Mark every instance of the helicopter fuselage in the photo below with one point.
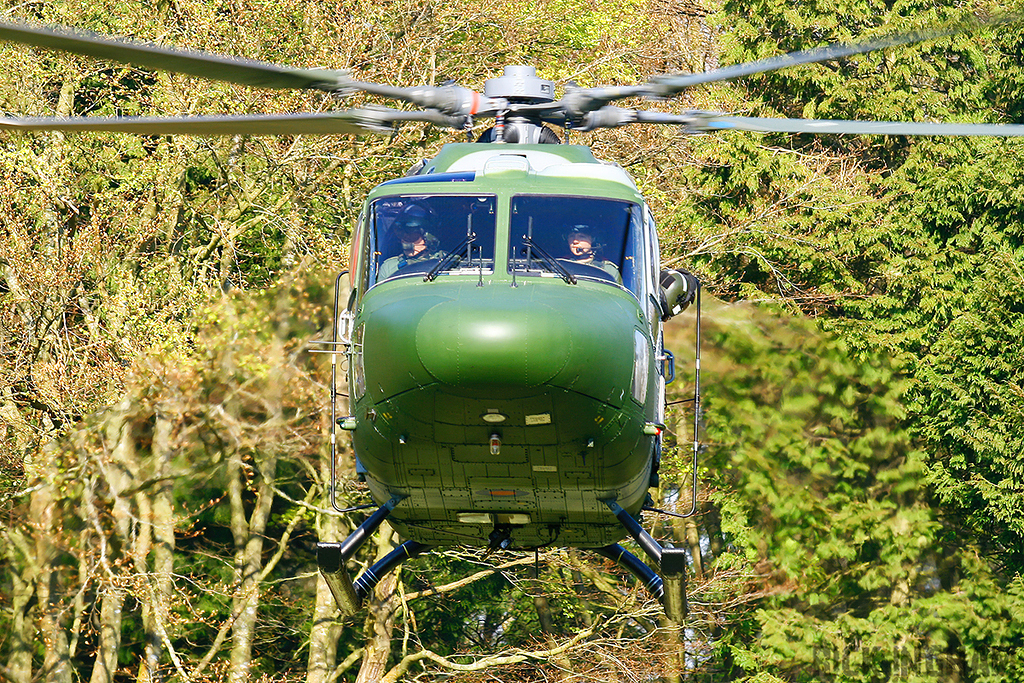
(500, 385)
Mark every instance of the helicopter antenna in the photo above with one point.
(696, 411)
(529, 242)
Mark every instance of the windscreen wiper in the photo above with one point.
(558, 268)
(452, 257)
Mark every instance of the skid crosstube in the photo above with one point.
(332, 557)
(348, 594)
(670, 587)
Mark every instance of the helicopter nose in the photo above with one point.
(487, 342)
(500, 341)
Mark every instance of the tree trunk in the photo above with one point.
(685, 531)
(56, 660)
(673, 645)
(19, 658)
(713, 526)
(248, 560)
(579, 587)
(249, 533)
(157, 512)
(382, 607)
(323, 638)
(119, 477)
(547, 623)
(111, 606)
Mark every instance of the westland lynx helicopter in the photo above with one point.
(503, 336)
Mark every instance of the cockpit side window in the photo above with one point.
(589, 237)
(414, 234)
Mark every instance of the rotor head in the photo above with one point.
(520, 84)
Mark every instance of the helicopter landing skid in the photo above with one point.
(332, 557)
(348, 594)
(670, 587)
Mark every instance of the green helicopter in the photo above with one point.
(506, 361)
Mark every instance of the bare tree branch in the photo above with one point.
(472, 578)
(516, 656)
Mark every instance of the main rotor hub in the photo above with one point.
(520, 84)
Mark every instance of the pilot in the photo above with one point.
(418, 244)
(583, 250)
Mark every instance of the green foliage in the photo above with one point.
(824, 496)
(911, 247)
(829, 558)
(973, 405)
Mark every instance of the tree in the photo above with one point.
(162, 465)
(823, 503)
(891, 242)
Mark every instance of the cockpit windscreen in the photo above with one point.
(431, 235)
(585, 237)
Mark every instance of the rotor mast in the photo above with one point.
(519, 123)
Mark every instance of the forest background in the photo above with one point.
(163, 457)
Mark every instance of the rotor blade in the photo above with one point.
(452, 100)
(668, 85)
(696, 121)
(713, 122)
(578, 104)
(353, 121)
(203, 65)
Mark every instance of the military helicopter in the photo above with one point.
(503, 335)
